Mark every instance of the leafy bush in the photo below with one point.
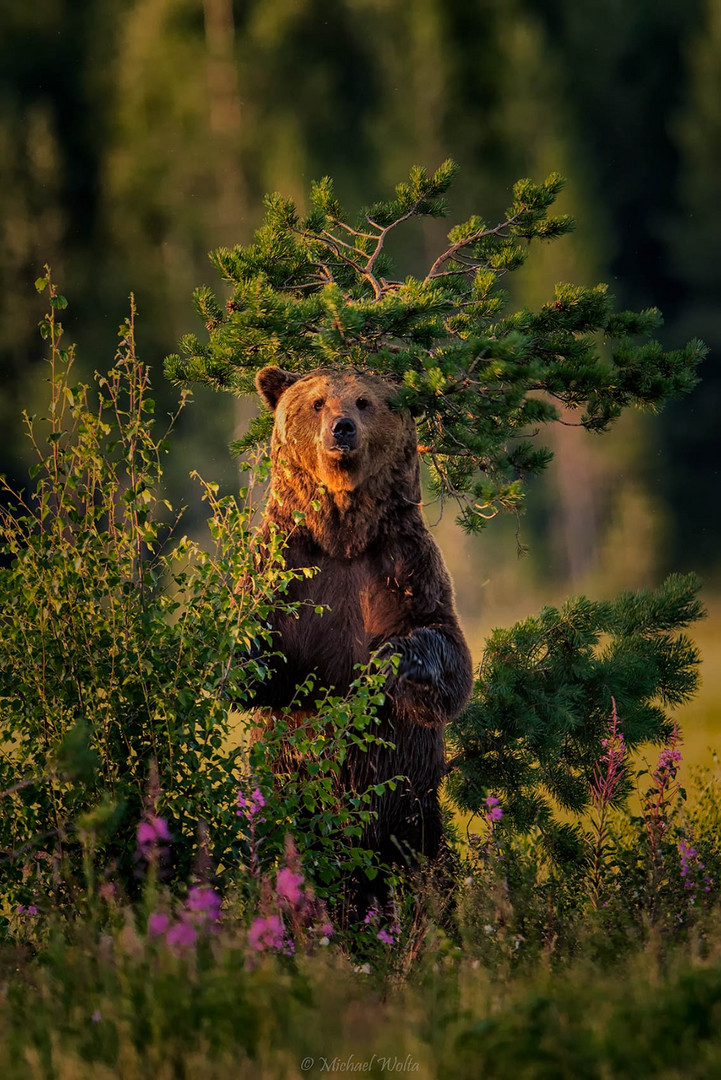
(123, 647)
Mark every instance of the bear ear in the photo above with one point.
(271, 382)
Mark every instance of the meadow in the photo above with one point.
(169, 910)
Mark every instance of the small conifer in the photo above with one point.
(320, 290)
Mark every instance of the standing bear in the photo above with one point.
(348, 460)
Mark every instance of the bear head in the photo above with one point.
(338, 427)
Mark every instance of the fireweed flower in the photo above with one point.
(249, 806)
(158, 923)
(288, 886)
(200, 914)
(181, 935)
(267, 933)
(371, 915)
(659, 797)
(152, 831)
(609, 771)
(494, 811)
(388, 934)
(607, 776)
(692, 869)
(203, 905)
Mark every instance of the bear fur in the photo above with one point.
(381, 578)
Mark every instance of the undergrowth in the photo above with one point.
(173, 906)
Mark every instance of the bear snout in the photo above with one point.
(344, 432)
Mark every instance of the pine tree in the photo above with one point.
(533, 731)
(320, 290)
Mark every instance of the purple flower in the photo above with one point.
(494, 811)
(249, 807)
(96, 1017)
(158, 923)
(667, 766)
(29, 910)
(386, 937)
(692, 868)
(608, 773)
(266, 933)
(288, 886)
(181, 935)
(150, 831)
(371, 915)
(204, 902)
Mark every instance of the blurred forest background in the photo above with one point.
(135, 136)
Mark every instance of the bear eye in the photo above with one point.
(318, 404)
(362, 403)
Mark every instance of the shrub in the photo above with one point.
(123, 646)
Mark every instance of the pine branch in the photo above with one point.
(481, 234)
(470, 369)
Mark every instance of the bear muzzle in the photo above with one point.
(343, 436)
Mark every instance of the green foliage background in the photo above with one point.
(136, 137)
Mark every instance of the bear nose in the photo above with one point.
(343, 428)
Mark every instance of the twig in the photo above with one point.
(480, 234)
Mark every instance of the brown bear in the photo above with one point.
(381, 579)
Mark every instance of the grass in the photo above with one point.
(116, 1005)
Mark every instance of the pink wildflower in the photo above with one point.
(494, 811)
(371, 914)
(608, 772)
(607, 775)
(150, 831)
(660, 797)
(288, 887)
(181, 935)
(158, 923)
(387, 934)
(691, 869)
(249, 807)
(266, 933)
(204, 902)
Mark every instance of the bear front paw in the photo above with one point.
(416, 660)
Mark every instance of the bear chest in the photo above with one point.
(363, 604)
